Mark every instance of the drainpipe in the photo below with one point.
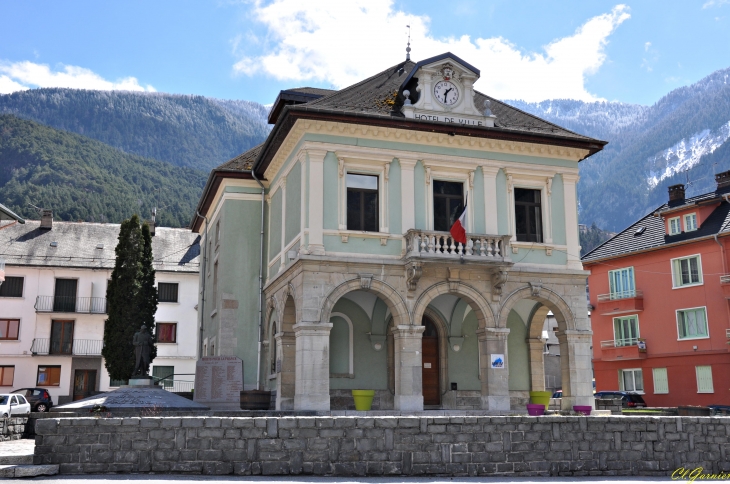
(261, 281)
(202, 300)
(724, 260)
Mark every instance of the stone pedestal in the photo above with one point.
(407, 342)
(537, 364)
(312, 387)
(495, 381)
(577, 375)
(285, 370)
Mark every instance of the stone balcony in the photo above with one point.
(440, 246)
(620, 303)
(627, 349)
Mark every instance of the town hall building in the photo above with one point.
(327, 262)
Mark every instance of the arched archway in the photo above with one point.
(573, 336)
(384, 291)
(285, 351)
(473, 297)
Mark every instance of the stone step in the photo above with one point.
(28, 470)
(16, 459)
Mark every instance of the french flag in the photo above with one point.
(458, 230)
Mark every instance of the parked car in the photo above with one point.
(628, 399)
(39, 398)
(557, 394)
(12, 405)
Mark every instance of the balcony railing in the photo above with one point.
(725, 279)
(63, 304)
(620, 295)
(618, 343)
(426, 243)
(77, 347)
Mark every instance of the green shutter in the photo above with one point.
(704, 379)
(661, 383)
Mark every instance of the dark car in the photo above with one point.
(39, 398)
(628, 399)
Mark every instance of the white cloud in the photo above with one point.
(715, 3)
(344, 42)
(647, 45)
(17, 76)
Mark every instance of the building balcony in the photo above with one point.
(620, 303)
(62, 304)
(428, 244)
(77, 347)
(725, 285)
(625, 349)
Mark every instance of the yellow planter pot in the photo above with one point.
(363, 399)
(542, 398)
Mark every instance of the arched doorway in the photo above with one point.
(430, 364)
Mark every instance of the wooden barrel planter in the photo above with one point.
(255, 400)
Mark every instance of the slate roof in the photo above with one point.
(244, 161)
(174, 250)
(654, 235)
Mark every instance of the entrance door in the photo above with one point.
(62, 337)
(64, 298)
(84, 383)
(430, 361)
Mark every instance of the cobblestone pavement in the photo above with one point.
(166, 479)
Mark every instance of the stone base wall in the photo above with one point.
(376, 446)
(12, 428)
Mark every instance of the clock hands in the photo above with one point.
(447, 92)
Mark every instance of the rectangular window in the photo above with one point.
(448, 199)
(166, 332)
(49, 376)
(626, 330)
(9, 329)
(167, 292)
(704, 379)
(12, 287)
(661, 384)
(62, 334)
(164, 374)
(631, 380)
(692, 323)
(215, 284)
(64, 297)
(690, 222)
(362, 203)
(6, 375)
(621, 283)
(687, 271)
(217, 233)
(528, 215)
(674, 226)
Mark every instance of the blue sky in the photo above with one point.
(592, 49)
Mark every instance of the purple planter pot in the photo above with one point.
(535, 409)
(584, 409)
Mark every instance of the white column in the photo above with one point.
(407, 342)
(316, 201)
(282, 262)
(490, 200)
(570, 181)
(547, 212)
(495, 381)
(407, 190)
(312, 375)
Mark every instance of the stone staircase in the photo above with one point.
(16, 460)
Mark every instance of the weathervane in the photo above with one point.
(408, 47)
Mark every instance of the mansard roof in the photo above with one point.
(91, 246)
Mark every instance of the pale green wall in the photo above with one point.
(419, 178)
(479, 202)
(502, 214)
(339, 346)
(361, 245)
(464, 364)
(293, 211)
(370, 366)
(394, 198)
(558, 210)
(518, 363)
(275, 225)
(331, 167)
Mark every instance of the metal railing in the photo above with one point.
(551, 382)
(64, 304)
(440, 244)
(618, 343)
(620, 295)
(77, 347)
(170, 384)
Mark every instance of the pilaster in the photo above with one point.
(312, 375)
(570, 181)
(316, 201)
(407, 342)
(577, 374)
(495, 381)
(285, 365)
(490, 199)
(407, 183)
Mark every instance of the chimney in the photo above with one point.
(723, 180)
(46, 219)
(676, 195)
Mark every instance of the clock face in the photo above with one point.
(446, 92)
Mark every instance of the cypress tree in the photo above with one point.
(122, 298)
(147, 296)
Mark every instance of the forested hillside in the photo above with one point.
(192, 131)
(684, 137)
(84, 179)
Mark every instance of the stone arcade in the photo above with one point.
(363, 286)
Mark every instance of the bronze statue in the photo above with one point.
(142, 345)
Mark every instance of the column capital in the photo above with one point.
(492, 333)
(491, 171)
(311, 327)
(408, 331)
(407, 163)
(316, 154)
(575, 334)
(569, 177)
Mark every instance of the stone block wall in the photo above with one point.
(376, 446)
(12, 428)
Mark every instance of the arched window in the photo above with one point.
(341, 343)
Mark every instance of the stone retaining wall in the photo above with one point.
(375, 446)
(12, 428)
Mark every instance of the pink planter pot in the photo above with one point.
(535, 409)
(584, 409)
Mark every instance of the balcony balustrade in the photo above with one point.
(623, 349)
(440, 245)
(620, 302)
(725, 285)
(77, 347)
(63, 304)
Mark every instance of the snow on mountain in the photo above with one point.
(685, 154)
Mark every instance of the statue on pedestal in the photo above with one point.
(142, 345)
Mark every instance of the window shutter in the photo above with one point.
(704, 379)
(661, 383)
